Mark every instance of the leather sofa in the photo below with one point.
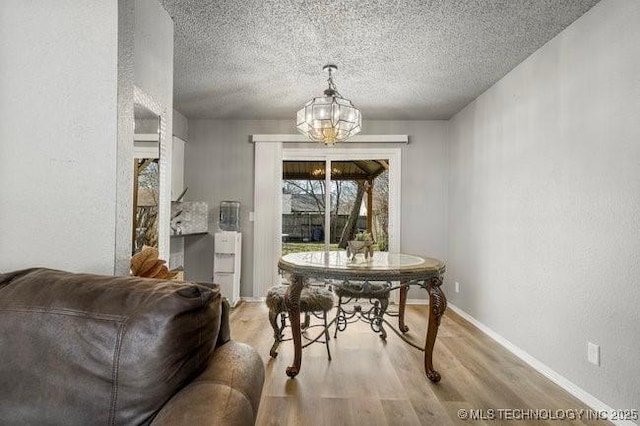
(81, 349)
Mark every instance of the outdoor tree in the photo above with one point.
(350, 227)
(147, 179)
(312, 193)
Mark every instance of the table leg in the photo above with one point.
(437, 306)
(404, 289)
(292, 301)
(277, 333)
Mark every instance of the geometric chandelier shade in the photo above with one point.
(330, 118)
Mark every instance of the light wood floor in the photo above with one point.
(369, 382)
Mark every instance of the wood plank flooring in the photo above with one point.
(370, 382)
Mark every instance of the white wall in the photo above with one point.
(65, 190)
(180, 126)
(220, 162)
(153, 73)
(424, 186)
(219, 166)
(180, 130)
(153, 47)
(58, 103)
(544, 203)
(124, 147)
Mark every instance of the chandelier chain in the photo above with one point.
(332, 86)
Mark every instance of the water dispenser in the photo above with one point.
(230, 216)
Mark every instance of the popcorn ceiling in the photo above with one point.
(401, 60)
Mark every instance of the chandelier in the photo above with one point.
(330, 118)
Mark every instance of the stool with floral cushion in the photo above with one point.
(316, 301)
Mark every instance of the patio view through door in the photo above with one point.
(315, 227)
(327, 202)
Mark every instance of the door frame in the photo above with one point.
(269, 154)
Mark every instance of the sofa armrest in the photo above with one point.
(226, 393)
(224, 335)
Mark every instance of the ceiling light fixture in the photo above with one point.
(330, 118)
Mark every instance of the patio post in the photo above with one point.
(370, 206)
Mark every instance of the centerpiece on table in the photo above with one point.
(362, 243)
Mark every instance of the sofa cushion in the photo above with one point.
(88, 349)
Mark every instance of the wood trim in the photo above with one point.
(164, 202)
(267, 216)
(403, 139)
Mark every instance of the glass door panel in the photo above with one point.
(346, 212)
(380, 209)
(357, 202)
(303, 206)
(361, 192)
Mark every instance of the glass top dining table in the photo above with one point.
(406, 269)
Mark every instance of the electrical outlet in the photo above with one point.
(593, 353)
(457, 287)
(250, 216)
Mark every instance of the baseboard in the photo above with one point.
(252, 299)
(549, 373)
(409, 301)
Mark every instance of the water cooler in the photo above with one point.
(227, 252)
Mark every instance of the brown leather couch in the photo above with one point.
(80, 349)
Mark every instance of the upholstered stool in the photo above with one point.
(378, 295)
(314, 300)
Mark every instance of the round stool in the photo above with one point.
(312, 300)
(363, 290)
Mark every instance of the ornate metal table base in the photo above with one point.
(377, 295)
(426, 273)
(374, 316)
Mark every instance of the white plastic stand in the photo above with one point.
(227, 264)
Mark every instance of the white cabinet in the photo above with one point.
(226, 264)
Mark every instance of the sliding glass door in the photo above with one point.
(304, 205)
(269, 201)
(331, 198)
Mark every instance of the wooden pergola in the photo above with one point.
(365, 171)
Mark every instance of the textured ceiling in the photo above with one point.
(400, 59)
